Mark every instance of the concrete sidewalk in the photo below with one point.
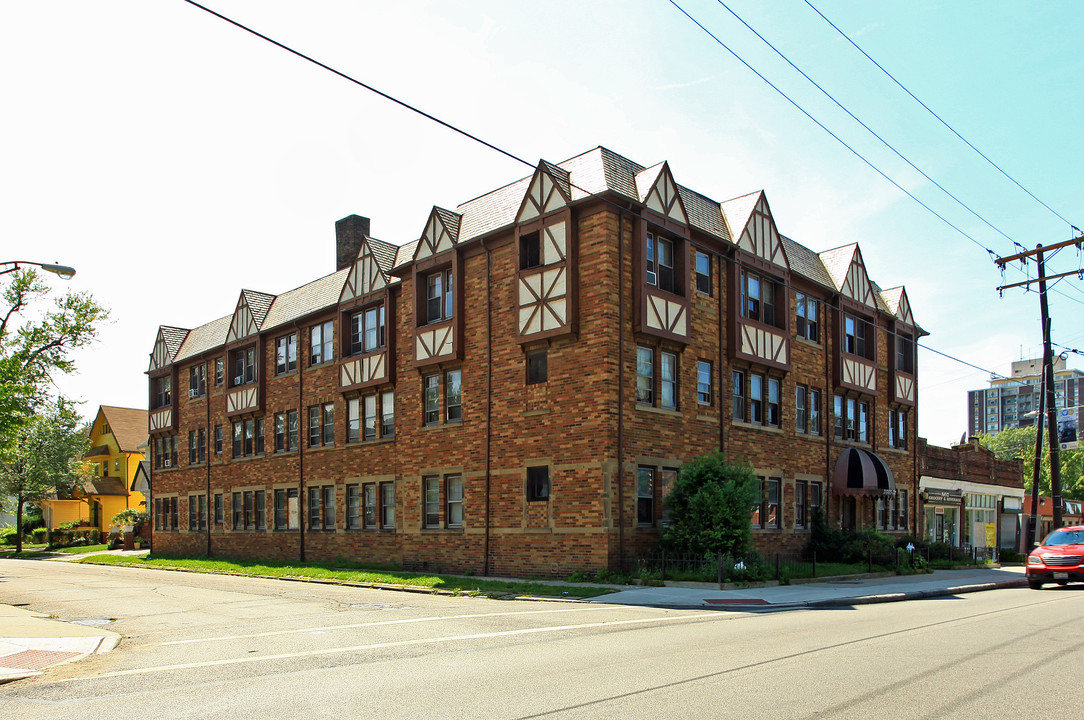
(31, 641)
(830, 593)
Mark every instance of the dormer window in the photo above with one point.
(659, 262)
(439, 297)
(367, 330)
(243, 363)
(530, 250)
(163, 391)
(905, 353)
(758, 298)
(857, 337)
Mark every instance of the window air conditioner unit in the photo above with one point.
(239, 380)
(193, 393)
(165, 462)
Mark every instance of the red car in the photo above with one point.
(1060, 558)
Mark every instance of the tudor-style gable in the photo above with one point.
(545, 269)
(751, 224)
(365, 276)
(548, 191)
(441, 233)
(249, 315)
(856, 321)
(367, 319)
(902, 361)
(848, 272)
(166, 345)
(659, 192)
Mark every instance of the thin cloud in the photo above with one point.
(679, 86)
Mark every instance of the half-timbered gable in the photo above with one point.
(662, 256)
(903, 336)
(855, 321)
(437, 283)
(759, 319)
(243, 365)
(367, 318)
(546, 274)
(163, 378)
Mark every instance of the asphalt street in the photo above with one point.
(226, 647)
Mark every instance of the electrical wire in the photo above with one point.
(942, 121)
(889, 332)
(871, 131)
(819, 124)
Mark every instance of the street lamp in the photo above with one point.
(65, 272)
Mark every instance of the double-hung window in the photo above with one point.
(321, 425)
(387, 413)
(439, 296)
(897, 428)
(243, 362)
(431, 399)
(537, 366)
(857, 336)
(387, 506)
(757, 399)
(368, 417)
(322, 343)
(851, 419)
(453, 396)
(668, 396)
(807, 317)
(807, 502)
(197, 446)
(659, 261)
(163, 391)
(286, 354)
(703, 382)
(703, 272)
(287, 510)
(453, 492)
(353, 507)
(757, 297)
(645, 496)
(738, 394)
(432, 501)
(197, 381)
(645, 375)
(368, 330)
(219, 371)
(905, 353)
(766, 513)
(286, 431)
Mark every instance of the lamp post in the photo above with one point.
(63, 271)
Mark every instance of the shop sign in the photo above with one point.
(942, 497)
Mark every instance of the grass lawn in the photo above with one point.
(345, 572)
(76, 549)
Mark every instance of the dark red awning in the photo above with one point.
(861, 472)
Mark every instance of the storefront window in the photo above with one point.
(980, 529)
(940, 524)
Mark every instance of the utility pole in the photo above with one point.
(1048, 366)
(1033, 520)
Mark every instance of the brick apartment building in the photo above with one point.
(513, 392)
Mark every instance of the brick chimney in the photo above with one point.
(349, 233)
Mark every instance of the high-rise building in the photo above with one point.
(1012, 402)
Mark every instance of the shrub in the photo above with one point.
(38, 535)
(8, 536)
(128, 516)
(95, 536)
(709, 506)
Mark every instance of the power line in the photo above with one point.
(939, 119)
(819, 124)
(530, 165)
(963, 362)
(884, 142)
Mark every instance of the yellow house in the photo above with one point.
(114, 456)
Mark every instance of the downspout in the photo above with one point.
(489, 400)
(300, 449)
(722, 354)
(620, 387)
(830, 425)
(207, 453)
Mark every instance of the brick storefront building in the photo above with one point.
(513, 392)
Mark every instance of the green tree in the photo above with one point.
(1012, 443)
(31, 353)
(45, 457)
(710, 504)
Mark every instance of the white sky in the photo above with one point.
(174, 159)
